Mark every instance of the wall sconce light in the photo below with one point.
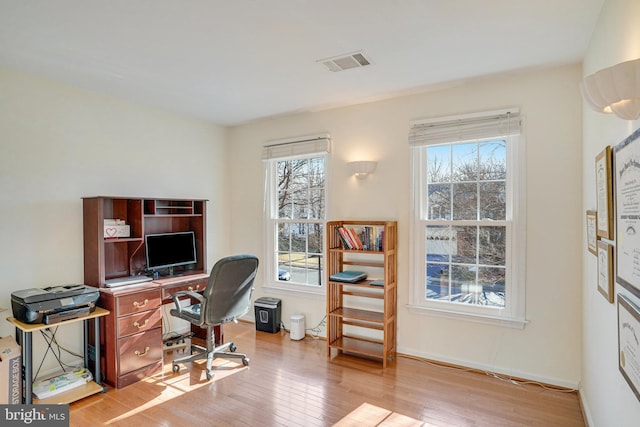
(614, 90)
(362, 169)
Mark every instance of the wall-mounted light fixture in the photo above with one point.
(362, 169)
(615, 90)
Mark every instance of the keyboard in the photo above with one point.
(122, 281)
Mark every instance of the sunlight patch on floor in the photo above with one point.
(190, 377)
(367, 415)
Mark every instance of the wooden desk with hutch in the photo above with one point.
(132, 346)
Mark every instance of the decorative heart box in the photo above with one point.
(114, 228)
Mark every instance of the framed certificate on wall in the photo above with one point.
(604, 219)
(592, 237)
(627, 184)
(605, 270)
(628, 345)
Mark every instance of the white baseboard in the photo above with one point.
(557, 382)
(586, 412)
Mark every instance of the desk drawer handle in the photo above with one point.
(137, 353)
(197, 288)
(139, 326)
(136, 304)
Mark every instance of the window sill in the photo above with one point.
(299, 291)
(470, 317)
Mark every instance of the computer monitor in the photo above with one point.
(168, 250)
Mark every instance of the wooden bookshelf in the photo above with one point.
(353, 326)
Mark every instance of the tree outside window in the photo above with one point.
(468, 222)
(300, 199)
(465, 232)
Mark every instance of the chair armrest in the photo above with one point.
(176, 298)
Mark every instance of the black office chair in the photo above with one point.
(226, 297)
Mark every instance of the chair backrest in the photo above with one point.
(228, 292)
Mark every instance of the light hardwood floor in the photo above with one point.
(291, 383)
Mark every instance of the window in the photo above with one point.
(468, 217)
(295, 211)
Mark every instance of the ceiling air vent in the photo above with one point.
(345, 62)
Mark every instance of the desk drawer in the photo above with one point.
(139, 322)
(196, 285)
(139, 374)
(135, 303)
(140, 350)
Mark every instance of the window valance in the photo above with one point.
(470, 127)
(297, 147)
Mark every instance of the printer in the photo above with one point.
(53, 304)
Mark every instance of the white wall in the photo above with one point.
(548, 348)
(58, 144)
(606, 397)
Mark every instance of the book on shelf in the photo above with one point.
(348, 276)
(372, 237)
(377, 283)
(63, 382)
(356, 239)
(344, 238)
(367, 238)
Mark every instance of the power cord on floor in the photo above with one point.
(283, 329)
(50, 338)
(506, 378)
(171, 336)
(524, 382)
(315, 330)
(318, 328)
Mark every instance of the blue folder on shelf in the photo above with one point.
(348, 276)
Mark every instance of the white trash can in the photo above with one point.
(297, 327)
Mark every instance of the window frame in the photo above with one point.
(271, 221)
(513, 314)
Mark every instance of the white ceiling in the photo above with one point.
(232, 61)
